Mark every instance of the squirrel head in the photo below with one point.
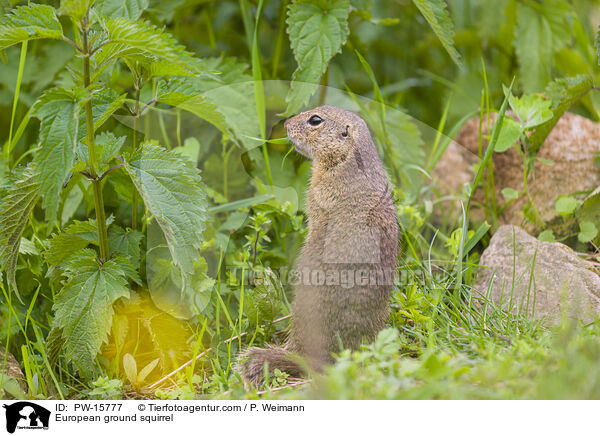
(326, 134)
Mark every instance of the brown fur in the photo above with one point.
(352, 226)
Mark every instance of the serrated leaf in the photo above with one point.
(28, 247)
(131, 9)
(62, 127)
(58, 111)
(15, 209)
(83, 308)
(317, 29)
(436, 14)
(141, 41)
(75, 237)
(162, 68)
(510, 133)
(29, 22)
(126, 243)
(106, 103)
(587, 231)
(172, 191)
(128, 268)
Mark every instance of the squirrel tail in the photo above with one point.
(252, 363)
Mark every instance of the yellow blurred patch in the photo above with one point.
(145, 343)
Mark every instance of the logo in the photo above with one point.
(26, 415)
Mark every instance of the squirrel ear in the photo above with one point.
(345, 132)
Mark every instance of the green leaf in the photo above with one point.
(58, 111)
(29, 22)
(75, 237)
(590, 209)
(107, 146)
(126, 243)
(510, 133)
(131, 9)
(28, 247)
(545, 161)
(178, 295)
(563, 93)
(587, 231)
(145, 372)
(532, 110)
(15, 209)
(436, 14)
(185, 94)
(130, 368)
(541, 29)
(172, 191)
(71, 204)
(406, 143)
(533, 46)
(566, 205)
(76, 9)
(317, 29)
(83, 308)
(547, 236)
(106, 103)
(11, 386)
(363, 5)
(226, 100)
(510, 193)
(62, 127)
(138, 40)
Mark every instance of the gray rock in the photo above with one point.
(561, 281)
(571, 148)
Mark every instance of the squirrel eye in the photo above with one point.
(315, 120)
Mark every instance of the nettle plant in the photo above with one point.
(91, 264)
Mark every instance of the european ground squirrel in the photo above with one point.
(345, 272)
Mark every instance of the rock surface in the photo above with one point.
(12, 369)
(571, 146)
(561, 281)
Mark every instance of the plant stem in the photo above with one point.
(277, 50)
(96, 182)
(134, 199)
(9, 145)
